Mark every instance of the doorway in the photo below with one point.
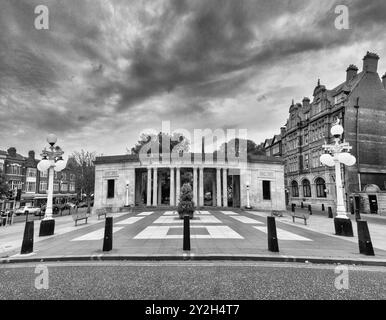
(233, 191)
(373, 204)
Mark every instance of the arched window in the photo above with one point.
(306, 188)
(320, 188)
(295, 189)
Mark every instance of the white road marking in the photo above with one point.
(246, 220)
(145, 213)
(202, 212)
(229, 213)
(285, 235)
(130, 220)
(95, 235)
(215, 232)
(197, 219)
(170, 213)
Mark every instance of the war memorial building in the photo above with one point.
(128, 180)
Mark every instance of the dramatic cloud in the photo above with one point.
(105, 70)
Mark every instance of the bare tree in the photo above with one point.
(82, 162)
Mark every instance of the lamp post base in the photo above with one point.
(47, 228)
(248, 207)
(343, 227)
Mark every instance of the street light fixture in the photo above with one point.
(52, 161)
(336, 154)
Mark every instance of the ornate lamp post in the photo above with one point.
(52, 161)
(336, 154)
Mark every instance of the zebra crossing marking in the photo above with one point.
(229, 213)
(214, 232)
(95, 235)
(130, 220)
(145, 213)
(246, 220)
(284, 235)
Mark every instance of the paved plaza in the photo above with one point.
(225, 233)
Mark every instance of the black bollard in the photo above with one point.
(293, 207)
(28, 238)
(301, 205)
(343, 227)
(186, 245)
(310, 209)
(330, 215)
(364, 239)
(322, 207)
(273, 244)
(108, 239)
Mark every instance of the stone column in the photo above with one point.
(178, 185)
(195, 180)
(172, 195)
(155, 187)
(148, 193)
(201, 188)
(225, 187)
(218, 187)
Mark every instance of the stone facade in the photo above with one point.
(162, 181)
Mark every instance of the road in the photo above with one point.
(190, 280)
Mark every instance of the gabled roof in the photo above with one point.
(348, 86)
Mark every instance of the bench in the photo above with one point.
(300, 215)
(80, 216)
(275, 213)
(103, 212)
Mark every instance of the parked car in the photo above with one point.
(28, 209)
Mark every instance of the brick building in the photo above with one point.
(360, 104)
(22, 173)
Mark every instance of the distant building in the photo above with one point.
(125, 179)
(360, 104)
(22, 173)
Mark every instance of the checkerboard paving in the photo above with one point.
(204, 226)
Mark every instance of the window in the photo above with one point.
(43, 186)
(320, 188)
(44, 174)
(72, 187)
(56, 187)
(306, 161)
(64, 176)
(14, 169)
(31, 172)
(110, 188)
(306, 188)
(295, 189)
(31, 187)
(72, 177)
(267, 190)
(64, 187)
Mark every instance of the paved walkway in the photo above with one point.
(225, 233)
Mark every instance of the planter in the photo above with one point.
(188, 213)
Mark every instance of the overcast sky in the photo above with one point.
(107, 69)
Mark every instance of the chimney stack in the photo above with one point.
(384, 80)
(282, 131)
(31, 154)
(351, 72)
(12, 152)
(370, 62)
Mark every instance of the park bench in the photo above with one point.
(80, 216)
(300, 215)
(103, 212)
